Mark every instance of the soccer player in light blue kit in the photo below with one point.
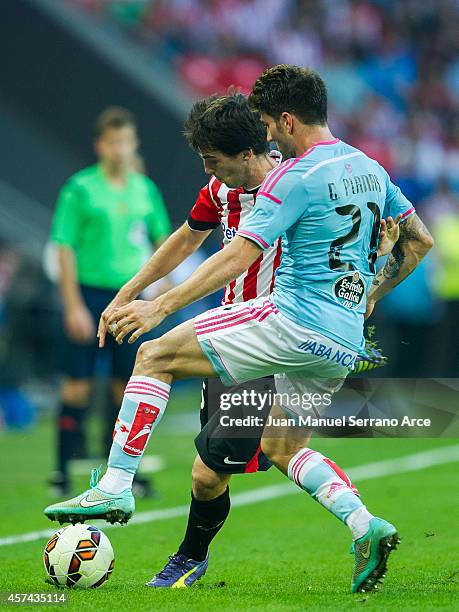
(326, 201)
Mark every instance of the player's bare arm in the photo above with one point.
(220, 269)
(414, 243)
(180, 245)
(142, 316)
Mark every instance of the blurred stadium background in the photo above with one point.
(392, 67)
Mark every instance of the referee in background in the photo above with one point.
(107, 218)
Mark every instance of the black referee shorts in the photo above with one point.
(81, 360)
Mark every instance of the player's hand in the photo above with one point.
(370, 308)
(79, 324)
(118, 301)
(137, 318)
(388, 235)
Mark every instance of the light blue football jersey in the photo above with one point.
(327, 205)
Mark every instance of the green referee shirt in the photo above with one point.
(109, 229)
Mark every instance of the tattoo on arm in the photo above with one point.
(394, 261)
(413, 229)
(413, 243)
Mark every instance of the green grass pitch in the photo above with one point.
(281, 554)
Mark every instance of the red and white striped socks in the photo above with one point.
(144, 403)
(326, 482)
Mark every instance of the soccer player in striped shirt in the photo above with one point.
(179, 354)
(241, 162)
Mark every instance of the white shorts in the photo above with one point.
(253, 339)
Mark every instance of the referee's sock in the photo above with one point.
(70, 429)
(205, 520)
(144, 403)
(112, 409)
(326, 482)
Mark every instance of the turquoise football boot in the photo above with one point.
(371, 553)
(94, 504)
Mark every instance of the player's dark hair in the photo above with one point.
(195, 114)
(225, 124)
(113, 117)
(291, 89)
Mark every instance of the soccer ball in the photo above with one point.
(79, 556)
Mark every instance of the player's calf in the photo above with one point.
(209, 509)
(144, 403)
(206, 483)
(373, 537)
(331, 487)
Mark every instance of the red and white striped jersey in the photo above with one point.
(217, 205)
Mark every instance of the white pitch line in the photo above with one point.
(378, 469)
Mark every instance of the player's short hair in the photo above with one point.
(291, 89)
(113, 117)
(226, 124)
(196, 112)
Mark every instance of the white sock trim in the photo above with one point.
(150, 380)
(144, 385)
(301, 463)
(115, 480)
(359, 522)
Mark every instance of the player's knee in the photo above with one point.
(270, 448)
(76, 392)
(148, 357)
(151, 355)
(277, 451)
(144, 353)
(206, 483)
(203, 480)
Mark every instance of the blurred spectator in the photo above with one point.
(392, 68)
(393, 61)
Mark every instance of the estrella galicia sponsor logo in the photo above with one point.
(349, 290)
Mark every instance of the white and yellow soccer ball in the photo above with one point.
(79, 556)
